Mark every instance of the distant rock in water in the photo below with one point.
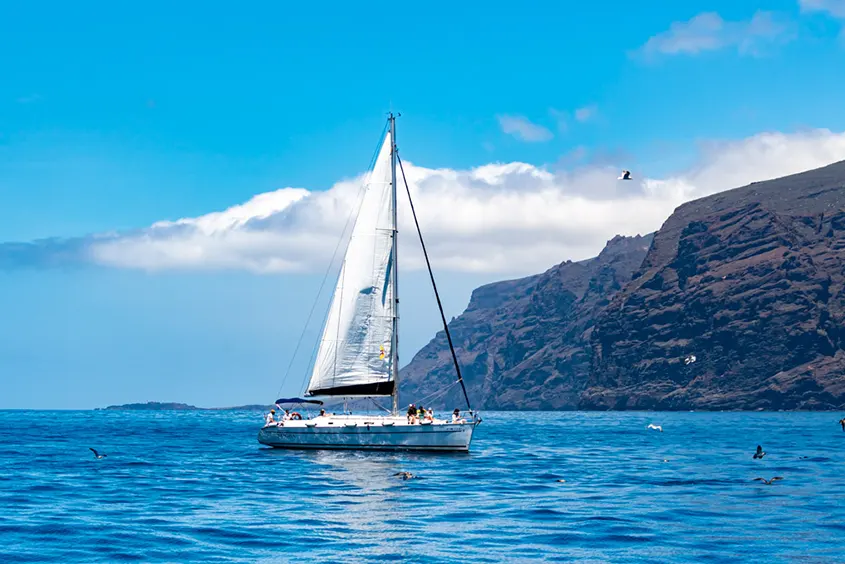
(751, 282)
(171, 406)
(154, 406)
(525, 344)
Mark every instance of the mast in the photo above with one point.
(394, 348)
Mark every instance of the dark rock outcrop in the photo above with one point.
(750, 282)
(525, 344)
(173, 406)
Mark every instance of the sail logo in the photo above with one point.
(381, 354)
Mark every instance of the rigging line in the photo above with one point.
(437, 394)
(311, 361)
(378, 405)
(329, 268)
(434, 285)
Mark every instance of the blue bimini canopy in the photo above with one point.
(298, 400)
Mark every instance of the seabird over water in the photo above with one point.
(97, 455)
(655, 427)
(768, 482)
(759, 453)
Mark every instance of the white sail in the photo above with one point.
(354, 357)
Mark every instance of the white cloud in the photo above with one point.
(586, 113)
(709, 32)
(523, 129)
(512, 218)
(835, 8)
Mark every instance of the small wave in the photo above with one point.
(694, 482)
(608, 518)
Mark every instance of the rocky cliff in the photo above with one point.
(525, 344)
(738, 304)
(750, 283)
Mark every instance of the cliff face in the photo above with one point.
(525, 344)
(739, 303)
(748, 281)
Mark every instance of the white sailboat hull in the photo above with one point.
(368, 433)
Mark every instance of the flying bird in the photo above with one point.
(759, 453)
(690, 359)
(655, 427)
(97, 455)
(768, 482)
(626, 175)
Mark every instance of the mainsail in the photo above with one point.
(355, 354)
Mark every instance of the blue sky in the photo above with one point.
(115, 117)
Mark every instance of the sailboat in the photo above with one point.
(358, 354)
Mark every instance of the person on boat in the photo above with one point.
(456, 416)
(412, 414)
(269, 419)
(286, 416)
(322, 413)
(429, 415)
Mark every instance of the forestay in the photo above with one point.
(354, 357)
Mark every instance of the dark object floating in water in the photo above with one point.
(759, 453)
(405, 475)
(562, 481)
(768, 482)
(842, 422)
(97, 455)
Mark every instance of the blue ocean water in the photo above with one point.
(197, 487)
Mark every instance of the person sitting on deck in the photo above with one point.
(429, 415)
(456, 416)
(322, 413)
(412, 414)
(286, 416)
(420, 414)
(269, 419)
